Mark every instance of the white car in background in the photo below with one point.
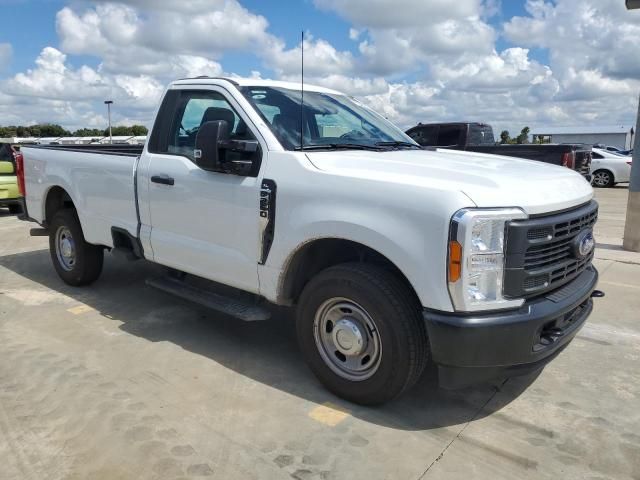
(608, 168)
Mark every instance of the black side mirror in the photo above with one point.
(214, 151)
(208, 144)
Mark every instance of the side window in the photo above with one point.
(449, 135)
(269, 112)
(596, 155)
(194, 108)
(425, 136)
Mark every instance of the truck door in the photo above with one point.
(204, 223)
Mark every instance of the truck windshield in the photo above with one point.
(329, 120)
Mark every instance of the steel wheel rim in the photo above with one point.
(347, 339)
(601, 179)
(65, 248)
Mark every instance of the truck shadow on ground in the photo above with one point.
(265, 351)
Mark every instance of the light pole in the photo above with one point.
(108, 103)
(631, 239)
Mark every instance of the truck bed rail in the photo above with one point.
(113, 149)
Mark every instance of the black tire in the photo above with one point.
(15, 209)
(398, 320)
(603, 179)
(88, 258)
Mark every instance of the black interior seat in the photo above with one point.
(213, 114)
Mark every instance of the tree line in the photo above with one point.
(523, 137)
(53, 130)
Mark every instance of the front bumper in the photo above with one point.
(474, 348)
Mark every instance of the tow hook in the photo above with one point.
(597, 294)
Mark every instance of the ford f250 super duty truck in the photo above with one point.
(393, 256)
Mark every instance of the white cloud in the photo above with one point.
(400, 13)
(401, 35)
(413, 61)
(54, 80)
(582, 35)
(74, 95)
(320, 58)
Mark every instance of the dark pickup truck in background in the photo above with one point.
(478, 137)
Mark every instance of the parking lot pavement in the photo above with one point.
(119, 381)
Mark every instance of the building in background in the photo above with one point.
(616, 136)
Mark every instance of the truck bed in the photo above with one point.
(547, 153)
(99, 178)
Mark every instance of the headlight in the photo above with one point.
(476, 258)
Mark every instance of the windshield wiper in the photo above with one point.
(340, 146)
(398, 144)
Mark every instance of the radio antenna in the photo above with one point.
(302, 91)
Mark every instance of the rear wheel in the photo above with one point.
(361, 331)
(76, 261)
(603, 179)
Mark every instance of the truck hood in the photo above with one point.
(488, 180)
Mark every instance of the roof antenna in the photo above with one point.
(302, 91)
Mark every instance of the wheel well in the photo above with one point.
(324, 253)
(57, 198)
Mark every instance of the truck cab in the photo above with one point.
(392, 256)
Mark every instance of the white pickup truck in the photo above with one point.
(393, 255)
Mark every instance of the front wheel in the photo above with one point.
(361, 331)
(76, 261)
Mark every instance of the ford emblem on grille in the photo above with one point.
(583, 244)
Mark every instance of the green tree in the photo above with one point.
(504, 137)
(53, 130)
(139, 130)
(9, 131)
(524, 135)
(88, 132)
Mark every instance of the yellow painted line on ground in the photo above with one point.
(80, 309)
(329, 414)
(616, 284)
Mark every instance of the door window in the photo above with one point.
(449, 135)
(192, 110)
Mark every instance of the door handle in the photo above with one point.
(163, 179)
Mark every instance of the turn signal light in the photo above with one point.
(455, 261)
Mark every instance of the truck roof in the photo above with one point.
(253, 82)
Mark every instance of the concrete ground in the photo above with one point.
(119, 381)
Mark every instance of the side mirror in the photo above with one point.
(215, 152)
(209, 139)
(6, 168)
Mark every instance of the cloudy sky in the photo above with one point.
(509, 62)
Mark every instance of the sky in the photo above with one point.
(510, 63)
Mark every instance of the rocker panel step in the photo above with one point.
(235, 307)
